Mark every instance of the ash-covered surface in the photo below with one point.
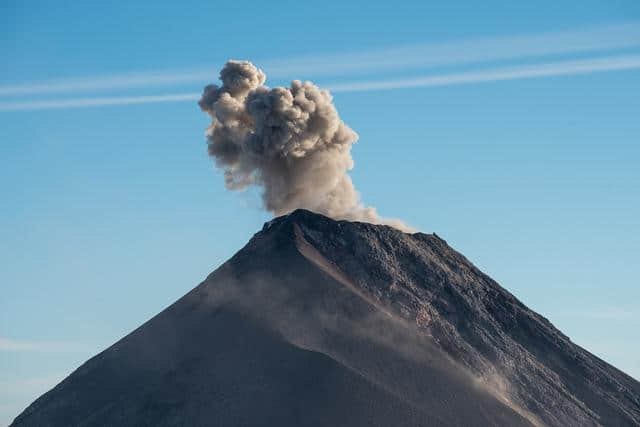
(317, 322)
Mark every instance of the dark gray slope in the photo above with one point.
(318, 322)
(477, 322)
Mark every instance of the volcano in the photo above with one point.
(317, 322)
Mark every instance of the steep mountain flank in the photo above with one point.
(317, 322)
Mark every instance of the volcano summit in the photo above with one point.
(317, 322)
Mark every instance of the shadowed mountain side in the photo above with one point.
(217, 369)
(319, 322)
(270, 339)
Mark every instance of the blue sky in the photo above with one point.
(111, 212)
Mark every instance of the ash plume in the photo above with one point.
(289, 141)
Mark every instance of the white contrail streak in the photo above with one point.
(616, 63)
(96, 102)
(461, 52)
(511, 73)
(98, 83)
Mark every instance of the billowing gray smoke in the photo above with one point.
(290, 141)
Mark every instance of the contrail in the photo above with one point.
(96, 102)
(615, 63)
(618, 63)
(619, 36)
(463, 52)
(97, 83)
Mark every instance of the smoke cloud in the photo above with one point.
(289, 141)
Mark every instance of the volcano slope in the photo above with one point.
(317, 322)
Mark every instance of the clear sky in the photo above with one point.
(512, 129)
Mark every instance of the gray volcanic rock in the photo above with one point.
(317, 322)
